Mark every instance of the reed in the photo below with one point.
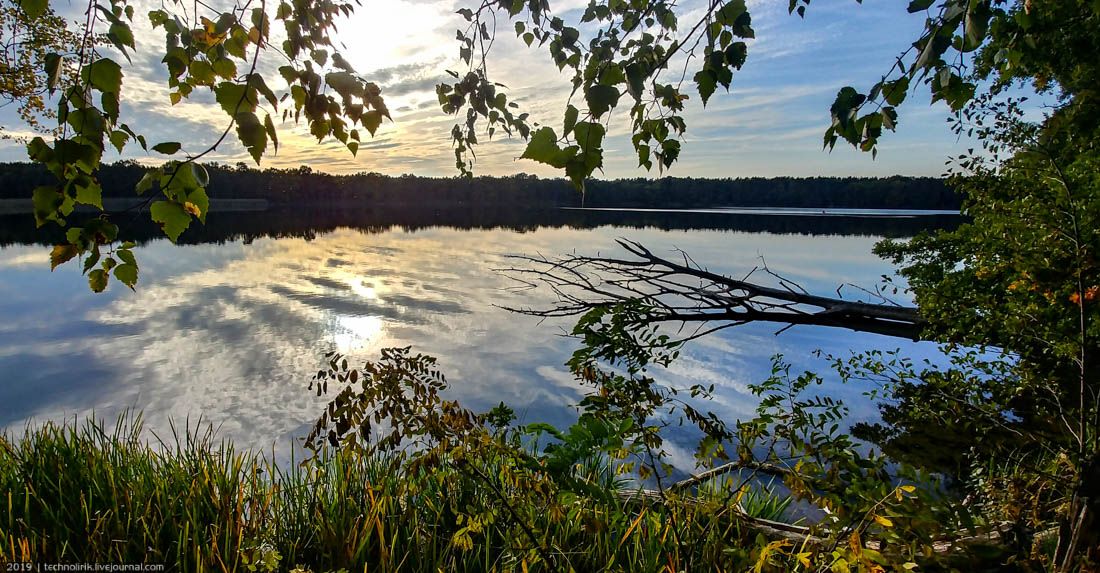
(88, 492)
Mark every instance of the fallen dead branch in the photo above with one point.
(687, 293)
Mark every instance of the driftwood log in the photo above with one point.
(687, 293)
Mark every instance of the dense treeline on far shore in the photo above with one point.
(303, 185)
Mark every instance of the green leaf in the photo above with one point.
(729, 13)
(571, 114)
(201, 72)
(121, 36)
(93, 258)
(635, 78)
(894, 92)
(119, 139)
(34, 8)
(126, 255)
(339, 61)
(543, 147)
(252, 134)
(90, 194)
(707, 81)
(269, 127)
(84, 156)
(977, 26)
(62, 254)
(146, 182)
(589, 137)
(847, 101)
(167, 148)
(53, 71)
(234, 98)
(46, 201)
(225, 68)
(127, 274)
(737, 53)
(257, 82)
(97, 279)
(601, 99)
(101, 230)
(172, 218)
(105, 75)
(201, 201)
(87, 122)
(643, 156)
(889, 117)
(371, 120)
(569, 36)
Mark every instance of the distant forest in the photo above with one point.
(288, 187)
(311, 222)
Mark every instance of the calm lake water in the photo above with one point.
(230, 326)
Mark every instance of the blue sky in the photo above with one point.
(769, 124)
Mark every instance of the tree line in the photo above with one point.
(308, 223)
(304, 185)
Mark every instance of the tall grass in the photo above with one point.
(87, 493)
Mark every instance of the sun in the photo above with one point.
(387, 33)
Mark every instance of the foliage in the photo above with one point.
(637, 54)
(206, 50)
(871, 513)
(1022, 278)
(30, 66)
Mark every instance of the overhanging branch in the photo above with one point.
(687, 293)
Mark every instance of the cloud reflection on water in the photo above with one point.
(232, 333)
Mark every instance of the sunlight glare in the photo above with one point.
(352, 333)
(387, 33)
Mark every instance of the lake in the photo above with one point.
(229, 325)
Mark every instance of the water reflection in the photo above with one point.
(232, 332)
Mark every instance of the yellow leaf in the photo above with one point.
(175, 97)
(192, 208)
(883, 521)
(855, 544)
(907, 488)
(62, 254)
(804, 559)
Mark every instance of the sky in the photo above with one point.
(769, 124)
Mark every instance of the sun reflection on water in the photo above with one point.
(355, 333)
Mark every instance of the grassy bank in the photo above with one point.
(89, 492)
